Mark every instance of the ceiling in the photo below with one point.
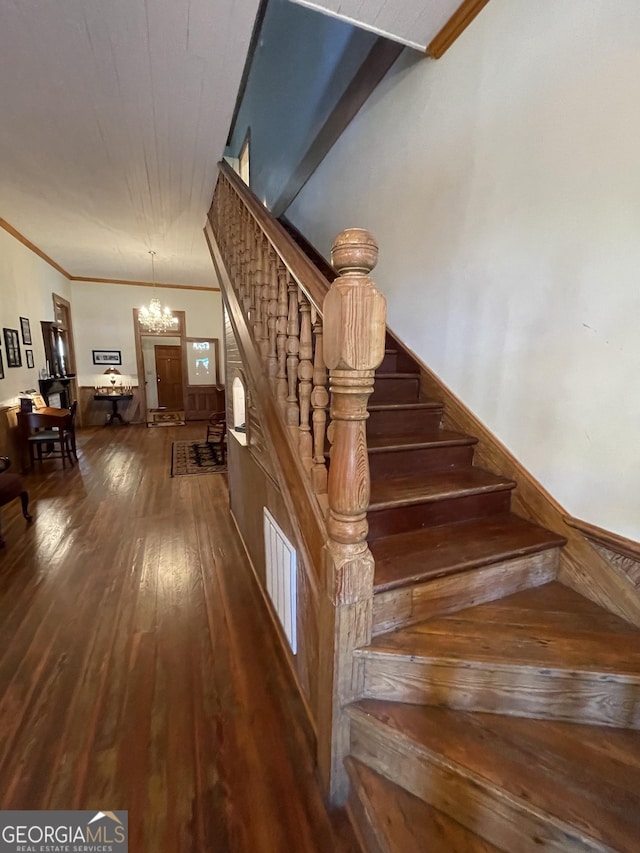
(411, 22)
(113, 115)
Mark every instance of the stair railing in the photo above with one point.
(293, 328)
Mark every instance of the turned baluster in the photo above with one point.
(240, 259)
(244, 255)
(267, 260)
(354, 337)
(233, 246)
(251, 265)
(305, 375)
(228, 222)
(272, 308)
(255, 315)
(319, 401)
(281, 337)
(293, 348)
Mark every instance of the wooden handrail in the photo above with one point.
(306, 275)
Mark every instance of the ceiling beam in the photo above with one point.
(454, 27)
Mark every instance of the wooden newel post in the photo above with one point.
(354, 339)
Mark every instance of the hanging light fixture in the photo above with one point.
(155, 318)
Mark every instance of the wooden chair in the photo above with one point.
(12, 487)
(47, 431)
(72, 429)
(216, 436)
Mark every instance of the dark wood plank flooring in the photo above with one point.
(138, 669)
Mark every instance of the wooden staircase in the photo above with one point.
(500, 708)
(479, 704)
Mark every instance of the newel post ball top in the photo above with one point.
(354, 309)
(354, 250)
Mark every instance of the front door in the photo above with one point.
(169, 377)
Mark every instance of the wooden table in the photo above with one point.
(114, 400)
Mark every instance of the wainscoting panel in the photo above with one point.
(202, 401)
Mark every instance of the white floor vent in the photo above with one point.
(280, 558)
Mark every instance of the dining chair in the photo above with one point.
(49, 433)
(12, 487)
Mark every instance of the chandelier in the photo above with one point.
(155, 318)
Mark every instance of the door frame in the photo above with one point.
(138, 334)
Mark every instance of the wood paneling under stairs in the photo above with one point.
(138, 669)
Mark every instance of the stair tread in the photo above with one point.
(404, 823)
(432, 552)
(397, 375)
(509, 633)
(586, 777)
(399, 407)
(433, 486)
(436, 438)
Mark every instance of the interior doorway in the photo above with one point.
(168, 361)
(172, 364)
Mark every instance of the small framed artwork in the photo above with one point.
(29, 355)
(25, 325)
(1, 367)
(107, 356)
(12, 343)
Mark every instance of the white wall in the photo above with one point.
(26, 287)
(503, 185)
(103, 319)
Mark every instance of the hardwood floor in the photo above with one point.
(138, 669)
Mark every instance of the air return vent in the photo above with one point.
(280, 558)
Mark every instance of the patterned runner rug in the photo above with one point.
(194, 457)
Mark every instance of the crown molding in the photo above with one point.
(25, 242)
(32, 246)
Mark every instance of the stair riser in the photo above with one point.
(389, 363)
(577, 697)
(404, 518)
(403, 422)
(502, 819)
(408, 605)
(394, 390)
(389, 463)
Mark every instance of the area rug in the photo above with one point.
(194, 457)
(160, 418)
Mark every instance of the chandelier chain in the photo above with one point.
(155, 318)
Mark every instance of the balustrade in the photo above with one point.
(305, 345)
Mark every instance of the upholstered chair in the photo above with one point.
(12, 487)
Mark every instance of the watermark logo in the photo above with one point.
(64, 832)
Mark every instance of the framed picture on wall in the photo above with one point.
(25, 325)
(12, 343)
(1, 367)
(107, 356)
(29, 355)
